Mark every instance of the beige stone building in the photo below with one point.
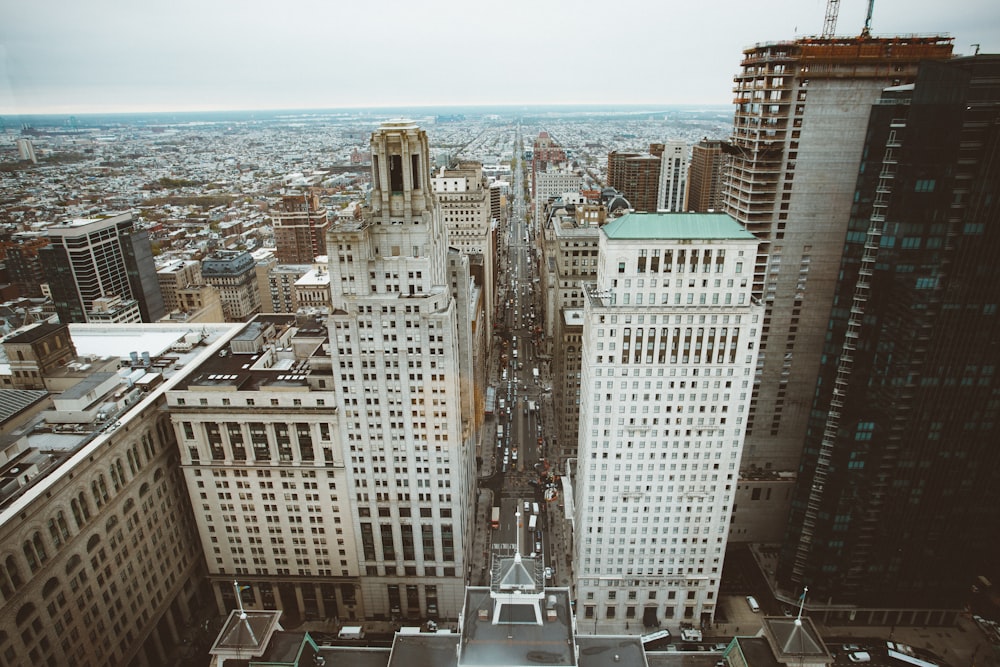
(100, 562)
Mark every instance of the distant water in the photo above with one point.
(441, 114)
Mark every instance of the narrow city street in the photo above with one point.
(520, 472)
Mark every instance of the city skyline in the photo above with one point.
(112, 57)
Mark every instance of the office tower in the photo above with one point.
(705, 177)
(233, 273)
(669, 347)
(404, 409)
(637, 177)
(801, 113)
(463, 197)
(616, 168)
(100, 257)
(899, 502)
(552, 184)
(300, 224)
(672, 190)
(100, 562)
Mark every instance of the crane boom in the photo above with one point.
(867, 30)
(830, 22)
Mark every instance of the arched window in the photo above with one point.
(117, 478)
(112, 522)
(50, 587)
(158, 475)
(24, 613)
(81, 513)
(73, 563)
(58, 528)
(166, 432)
(34, 552)
(93, 542)
(147, 445)
(133, 462)
(100, 490)
(129, 506)
(10, 578)
(144, 489)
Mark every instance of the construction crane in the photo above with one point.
(830, 21)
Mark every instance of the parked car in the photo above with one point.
(860, 656)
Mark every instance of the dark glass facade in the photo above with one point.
(898, 502)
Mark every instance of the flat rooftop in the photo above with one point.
(517, 639)
(682, 226)
(55, 439)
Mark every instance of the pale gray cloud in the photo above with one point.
(195, 54)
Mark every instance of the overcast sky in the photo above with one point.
(136, 55)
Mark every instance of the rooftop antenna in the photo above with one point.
(802, 602)
(517, 520)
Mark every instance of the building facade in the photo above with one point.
(233, 273)
(898, 503)
(100, 561)
(281, 286)
(705, 176)
(90, 258)
(637, 177)
(464, 199)
(259, 445)
(569, 264)
(300, 224)
(673, 187)
(176, 275)
(669, 346)
(405, 422)
(801, 114)
(551, 184)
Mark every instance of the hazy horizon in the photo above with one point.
(111, 56)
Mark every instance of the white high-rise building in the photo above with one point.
(669, 346)
(399, 347)
(672, 193)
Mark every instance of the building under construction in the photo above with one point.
(802, 110)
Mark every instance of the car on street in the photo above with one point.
(860, 656)
(548, 573)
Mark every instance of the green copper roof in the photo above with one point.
(676, 226)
